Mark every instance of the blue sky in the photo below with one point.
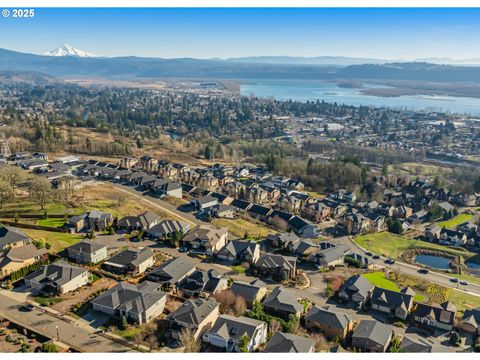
(207, 33)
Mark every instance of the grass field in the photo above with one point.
(239, 269)
(380, 280)
(391, 245)
(456, 220)
(59, 241)
(239, 227)
(51, 222)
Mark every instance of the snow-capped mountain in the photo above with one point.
(68, 50)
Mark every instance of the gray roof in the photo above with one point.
(166, 227)
(412, 345)
(131, 297)
(472, 317)
(333, 254)
(282, 299)
(274, 261)
(237, 247)
(193, 312)
(59, 273)
(444, 313)
(10, 235)
(283, 238)
(131, 256)
(357, 284)
(391, 299)
(232, 327)
(289, 343)
(329, 316)
(173, 270)
(246, 290)
(374, 331)
(87, 246)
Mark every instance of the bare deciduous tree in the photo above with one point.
(5, 193)
(40, 190)
(189, 342)
(152, 341)
(13, 176)
(230, 303)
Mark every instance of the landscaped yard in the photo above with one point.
(380, 280)
(51, 222)
(391, 245)
(58, 241)
(456, 220)
(47, 301)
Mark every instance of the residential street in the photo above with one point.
(77, 335)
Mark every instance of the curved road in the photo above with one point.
(409, 269)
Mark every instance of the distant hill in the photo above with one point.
(138, 67)
(299, 60)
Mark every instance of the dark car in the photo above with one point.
(368, 253)
(463, 282)
(423, 271)
(26, 308)
(375, 257)
(389, 261)
(454, 280)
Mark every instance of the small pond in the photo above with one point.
(433, 261)
(473, 267)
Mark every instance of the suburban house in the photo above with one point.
(206, 239)
(331, 256)
(240, 251)
(251, 292)
(227, 331)
(95, 220)
(303, 228)
(59, 277)
(470, 321)
(372, 336)
(170, 273)
(282, 303)
(198, 315)
(289, 343)
(332, 323)
(87, 252)
(11, 237)
(203, 203)
(356, 290)
(222, 211)
(398, 304)
(142, 222)
(276, 266)
(436, 316)
(130, 261)
(138, 303)
(281, 240)
(166, 228)
(209, 281)
(452, 237)
(168, 188)
(414, 345)
(19, 257)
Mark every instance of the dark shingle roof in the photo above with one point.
(193, 312)
(173, 270)
(374, 331)
(329, 317)
(10, 235)
(131, 256)
(282, 299)
(289, 343)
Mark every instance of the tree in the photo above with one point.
(455, 339)
(5, 193)
(321, 343)
(292, 325)
(208, 152)
(152, 341)
(48, 348)
(188, 341)
(40, 190)
(138, 339)
(123, 322)
(66, 190)
(13, 176)
(243, 343)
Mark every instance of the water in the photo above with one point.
(304, 90)
(474, 268)
(433, 261)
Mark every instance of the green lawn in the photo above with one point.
(51, 222)
(380, 280)
(391, 245)
(59, 241)
(456, 220)
(47, 301)
(464, 301)
(239, 269)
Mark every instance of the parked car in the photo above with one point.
(26, 308)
